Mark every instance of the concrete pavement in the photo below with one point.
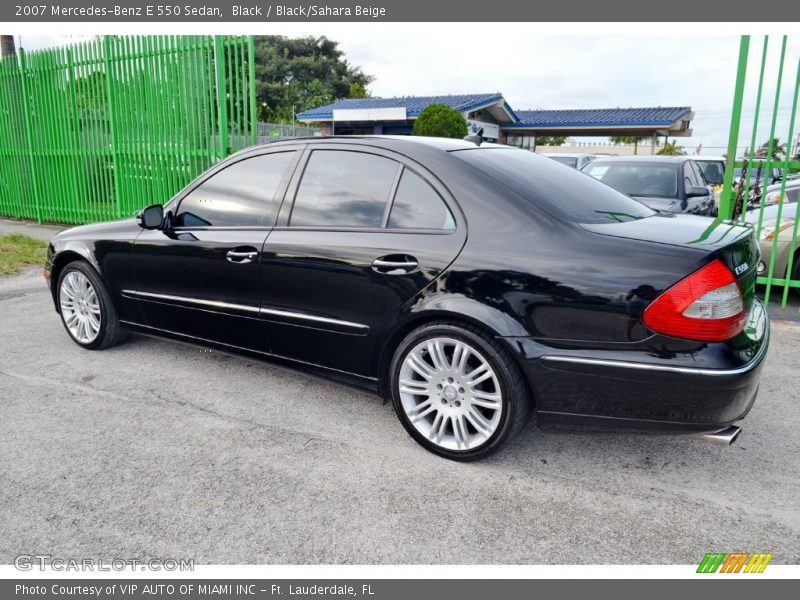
(156, 449)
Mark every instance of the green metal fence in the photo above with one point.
(778, 235)
(97, 130)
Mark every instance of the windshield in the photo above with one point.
(653, 180)
(713, 170)
(570, 161)
(570, 194)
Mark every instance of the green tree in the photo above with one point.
(545, 140)
(90, 91)
(440, 120)
(618, 140)
(296, 74)
(671, 149)
(357, 90)
(778, 150)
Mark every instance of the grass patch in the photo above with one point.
(17, 251)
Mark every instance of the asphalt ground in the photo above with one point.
(155, 449)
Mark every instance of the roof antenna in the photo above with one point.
(476, 138)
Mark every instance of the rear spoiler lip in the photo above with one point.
(708, 241)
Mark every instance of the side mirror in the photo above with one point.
(151, 217)
(697, 191)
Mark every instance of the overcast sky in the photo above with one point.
(535, 71)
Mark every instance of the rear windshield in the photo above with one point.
(752, 172)
(650, 180)
(571, 194)
(570, 161)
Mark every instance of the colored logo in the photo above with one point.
(738, 562)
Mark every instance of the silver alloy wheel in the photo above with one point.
(450, 393)
(80, 307)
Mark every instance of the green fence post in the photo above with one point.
(77, 160)
(251, 62)
(222, 104)
(29, 133)
(746, 193)
(725, 207)
(111, 113)
(778, 218)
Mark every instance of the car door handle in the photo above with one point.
(241, 255)
(395, 265)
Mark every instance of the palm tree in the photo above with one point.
(778, 150)
(628, 139)
(671, 149)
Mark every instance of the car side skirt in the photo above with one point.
(360, 381)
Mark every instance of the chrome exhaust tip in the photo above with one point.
(724, 437)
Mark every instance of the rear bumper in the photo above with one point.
(700, 391)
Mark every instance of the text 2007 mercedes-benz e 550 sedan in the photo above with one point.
(472, 284)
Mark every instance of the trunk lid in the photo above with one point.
(734, 244)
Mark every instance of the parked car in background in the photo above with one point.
(576, 161)
(790, 192)
(771, 229)
(763, 177)
(379, 260)
(713, 170)
(773, 191)
(671, 184)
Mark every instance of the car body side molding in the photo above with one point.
(247, 308)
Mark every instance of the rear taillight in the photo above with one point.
(706, 306)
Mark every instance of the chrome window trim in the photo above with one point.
(247, 308)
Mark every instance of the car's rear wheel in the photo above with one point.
(87, 312)
(457, 391)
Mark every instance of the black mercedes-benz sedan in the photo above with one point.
(472, 284)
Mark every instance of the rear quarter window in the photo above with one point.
(570, 194)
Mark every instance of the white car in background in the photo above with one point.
(773, 194)
(713, 170)
(574, 160)
(783, 229)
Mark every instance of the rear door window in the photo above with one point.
(417, 206)
(343, 189)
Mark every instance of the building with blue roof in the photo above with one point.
(395, 116)
(491, 111)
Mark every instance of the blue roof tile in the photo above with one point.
(413, 104)
(601, 117)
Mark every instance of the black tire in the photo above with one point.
(516, 398)
(111, 331)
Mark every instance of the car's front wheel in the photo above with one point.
(457, 391)
(87, 312)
